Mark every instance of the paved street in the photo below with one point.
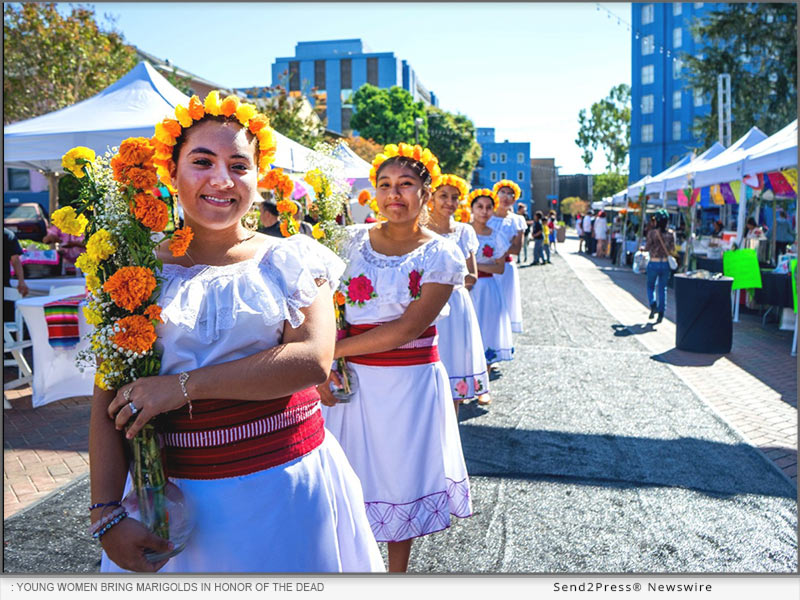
(605, 449)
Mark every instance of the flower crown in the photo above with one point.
(463, 214)
(482, 192)
(454, 180)
(169, 130)
(417, 153)
(508, 183)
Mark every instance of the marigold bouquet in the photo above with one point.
(282, 186)
(124, 222)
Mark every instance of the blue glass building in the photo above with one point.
(663, 105)
(337, 68)
(503, 160)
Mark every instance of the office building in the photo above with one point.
(544, 184)
(503, 160)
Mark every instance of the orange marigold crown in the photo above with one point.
(457, 182)
(417, 153)
(482, 192)
(169, 130)
(507, 183)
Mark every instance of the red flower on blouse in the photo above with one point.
(488, 251)
(359, 289)
(414, 287)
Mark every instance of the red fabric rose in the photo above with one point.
(488, 251)
(359, 289)
(414, 286)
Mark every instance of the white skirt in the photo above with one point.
(303, 516)
(400, 433)
(461, 347)
(509, 285)
(493, 318)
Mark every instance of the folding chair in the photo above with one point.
(14, 347)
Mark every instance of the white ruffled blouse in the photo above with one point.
(379, 288)
(508, 226)
(491, 247)
(215, 314)
(465, 239)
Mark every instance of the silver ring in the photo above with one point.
(134, 410)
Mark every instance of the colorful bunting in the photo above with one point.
(695, 196)
(791, 177)
(727, 193)
(716, 195)
(736, 189)
(779, 184)
(682, 199)
(753, 181)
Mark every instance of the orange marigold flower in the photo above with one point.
(257, 122)
(150, 211)
(136, 151)
(143, 179)
(363, 197)
(172, 127)
(118, 166)
(287, 187)
(153, 312)
(196, 109)
(287, 206)
(285, 227)
(180, 241)
(136, 333)
(229, 105)
(161, 150)
(339, 298)
(130, 286)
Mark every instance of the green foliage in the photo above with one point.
(51, 61)
(607, 184)
(184, 84)
(608, 127)
(69, 190)
(451, 137)
(764, 90)
(387, 115)
(574, 206)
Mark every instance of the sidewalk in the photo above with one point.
(754, 387)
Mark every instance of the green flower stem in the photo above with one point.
(149, 481)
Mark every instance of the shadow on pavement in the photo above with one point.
(621, 330)
(712, 468)
(681, 358)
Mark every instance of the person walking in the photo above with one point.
(522, 211)
(586, 228)
(546, 240)
(660, 244)
(783, 232)
(538, 238)
(600, 233)
(579, 231)
(552, 224)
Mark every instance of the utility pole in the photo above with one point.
(724, 120)
(417, 123)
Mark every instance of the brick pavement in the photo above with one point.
(753, 388)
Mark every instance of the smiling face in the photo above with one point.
(505, 197)
(445, 201)
(216, 175)
(482, 209)
(400, 193)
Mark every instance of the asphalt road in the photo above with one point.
(593, 458)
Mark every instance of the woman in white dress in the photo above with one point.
(491, 305)
(460, 344)
(399, 430)
(512, 226)
(248, 331)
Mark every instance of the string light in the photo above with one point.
(627, 25)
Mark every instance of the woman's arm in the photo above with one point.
(516, 244)
(498, 267)
(388, 336)
(302, 360)
(472, 271)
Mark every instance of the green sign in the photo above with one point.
(793, 269)
(742, 265)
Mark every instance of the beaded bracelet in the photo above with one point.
(102, 504)
(97, 535)
(97, 525)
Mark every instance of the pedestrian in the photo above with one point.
(537, 234)
(546, 240)
(12, 253)
(579, 231)
(783, 232)
(460, 343)
(247, 331)
(660, 245)
(587, 232)
(491, 305)
(600, 234)
(522, 210)
(512, 227)
(399, 430)
(552, 225)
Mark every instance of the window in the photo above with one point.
(743, 55)
(677, 8)
(676, 99)
(520, 157)
(319, 74)
(19, 180)
(346, 73)
(372, 71)
(503, 158)
(346, 114)
(647, 14)
(648, 45)
(647, 133)
(645, 166)
(647, 104)
(677, 65)
(677, 37)
(502, 174)
(698, 5)
(676, 130)
(493, 176)
(520, 175)
(647, 74)
(493, 157)
(294, 76)
(698, 97)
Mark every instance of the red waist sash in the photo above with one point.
(509, 258)
(420, 351)
(484, 274)
(229, 438)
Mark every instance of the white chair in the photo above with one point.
(14, 347)
(11, 294)
(67, 290)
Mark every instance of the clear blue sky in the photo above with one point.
(525, 69)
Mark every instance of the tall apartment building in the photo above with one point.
(544, 184)
(337, 68)
(663, 104)
(503, 160)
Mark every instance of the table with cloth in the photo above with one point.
(55, 374)
(39, 286)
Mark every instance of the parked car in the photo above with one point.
(27, 220)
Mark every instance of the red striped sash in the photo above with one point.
(509, 258)
(229, 438)
(484, 274)
(420, 351)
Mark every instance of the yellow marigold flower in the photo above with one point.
(317, 232)
(244, 113)
(390, 150)
(100, 381)
(75, 160)
(68, 221)
(163, 136)
(92, 316)
(183, 116)
(212, 103)
(101, 245)
(314, 179)
(92, 282)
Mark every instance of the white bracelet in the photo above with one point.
(183, 377)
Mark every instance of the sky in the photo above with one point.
(525, 69)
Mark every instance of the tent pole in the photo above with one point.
(773, 259)
(52, 185)
(794, 339)
(742, 217)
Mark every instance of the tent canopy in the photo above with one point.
(778, 151)
(656, 184)
(727, 165)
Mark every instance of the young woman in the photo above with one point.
(399, 430)
(660, 244)
(247, 333)
(460, 343)
(512, 226)
(490, 303)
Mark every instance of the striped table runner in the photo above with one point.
(62, 321)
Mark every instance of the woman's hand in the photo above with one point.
(324, 389)
(150, 396)
(126, 542)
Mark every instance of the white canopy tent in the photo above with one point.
(679, 178)
(727, 165)
(779, 151)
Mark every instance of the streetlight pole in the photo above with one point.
(417, 123)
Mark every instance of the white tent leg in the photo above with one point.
(737, 299)
(794, 338)
(742, 217)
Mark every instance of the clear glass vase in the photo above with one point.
(349, 382)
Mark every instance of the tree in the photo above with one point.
(757, 45)
(574, 206)
(451, 137)
(608, 127)
(52, 61)
(365, 148)
(387, 116)
(607, 184)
